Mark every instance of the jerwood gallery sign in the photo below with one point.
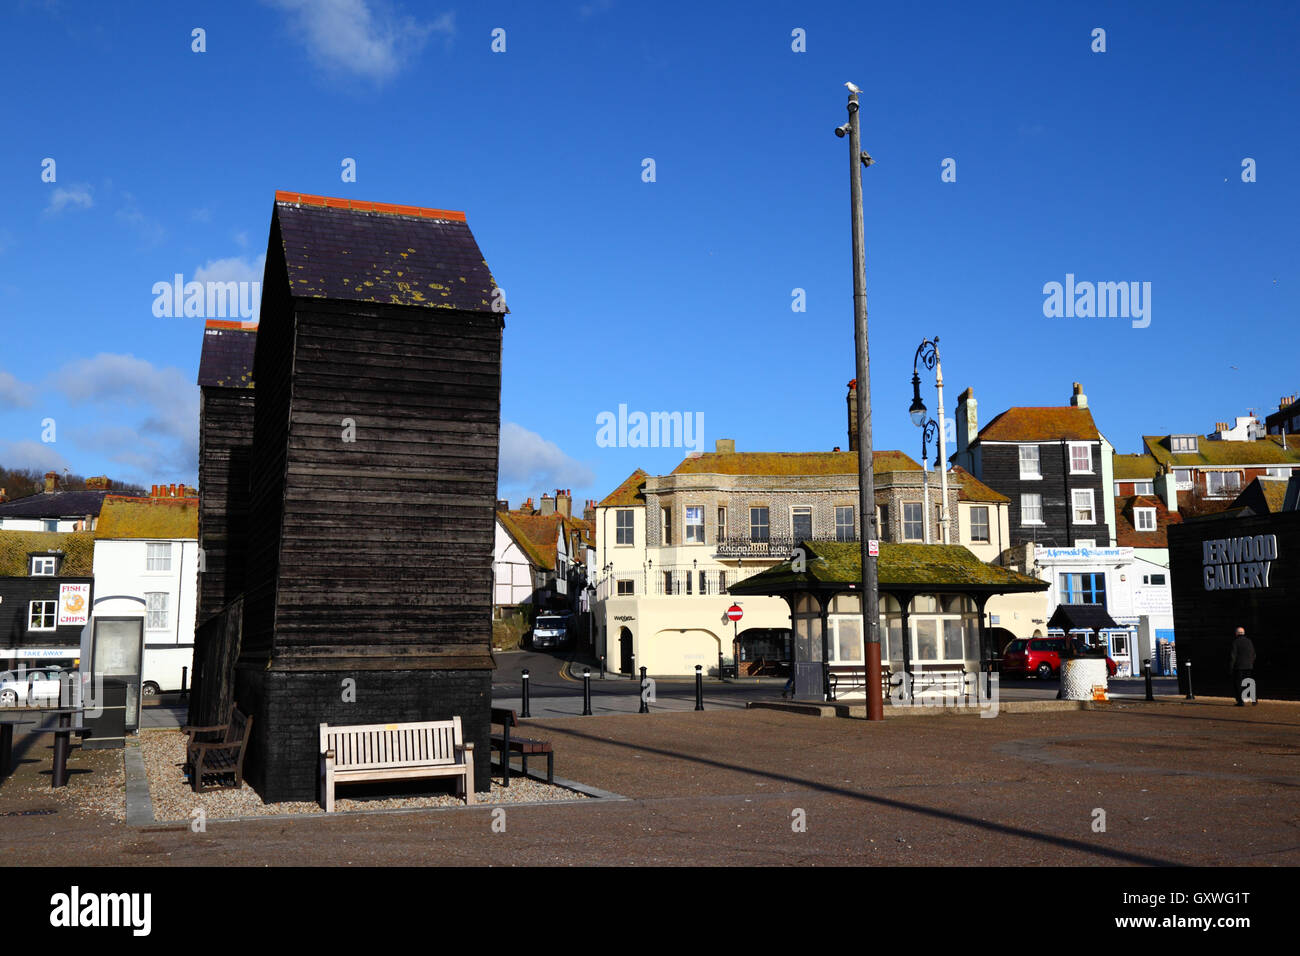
(1240, 562)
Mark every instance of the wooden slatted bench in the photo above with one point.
(505, 744)
(218, 751)
(947, 680)
(845, 678)
(431, 748)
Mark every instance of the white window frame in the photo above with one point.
(619, 529)
(1144, 513)
(50, 561)
(1279, 472)
(156, 611)
(1183, 484)
(852, 523)
(1146, 487)
(722, 522)
(1025, 509)
(906, 521)
(768, 524)
(1075, 509)
(801, 509)
(666, 525)
(1037, 473)
(988, 530)
(158, 561)
(1221, 493)
(631, 587)
(1087, 450)
(694, 528)
(53, 615)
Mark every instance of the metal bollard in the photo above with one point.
(602, 666)
(185, 673)
(586, 692)
(631, 667)
(645, 707)
(1146, 671)
(524, 682)
(1190, 695)
(699, 687)
(59, 773)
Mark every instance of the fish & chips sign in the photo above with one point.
(1231, 563)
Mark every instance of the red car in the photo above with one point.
(1040, 656)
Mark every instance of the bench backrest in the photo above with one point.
(369, 746)
(237, 729)
(505, 717)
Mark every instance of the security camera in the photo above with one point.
(840, 131)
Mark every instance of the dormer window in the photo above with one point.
(1144, 519)
(44, 565)
(1183, 444)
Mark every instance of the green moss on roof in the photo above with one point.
(123, 517)
(970, 488)
(1135, 467)
(931, 567)
(1266, 451)
(1050, 423)
(627, 495)
(792, 463)
(78, 548)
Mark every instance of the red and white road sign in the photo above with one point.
(873, 548)
(734, 613)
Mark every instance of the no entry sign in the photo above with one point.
(734, 613)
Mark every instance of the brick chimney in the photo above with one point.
(564, 502)
(1078, 399)
(3, 497)
(588, 511)
(527, 506)
(548, 506)
(99, 483)
(853, 415)
(503, 504)
(51, 482)
(725, 446)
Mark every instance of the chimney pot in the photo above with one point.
(51, 482)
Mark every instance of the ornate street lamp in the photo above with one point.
(927, 354)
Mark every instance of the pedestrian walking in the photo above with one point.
(1243, 665)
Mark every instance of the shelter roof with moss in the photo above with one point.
(837, 566)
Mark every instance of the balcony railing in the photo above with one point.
(777, 548)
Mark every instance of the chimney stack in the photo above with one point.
(3, 497)
(1078, 399)
(564, 501)
(853, 415)
(503, 504)
(588, 511)
(548, 505)
(99, 483)
(51, 482)
(725, 446)
(968, 423)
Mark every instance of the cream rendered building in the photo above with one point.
(669, 546)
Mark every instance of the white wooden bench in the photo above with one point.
(434, 748)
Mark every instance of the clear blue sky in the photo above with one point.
(673, 295)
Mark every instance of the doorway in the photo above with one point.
(625, 650)
(117, 649)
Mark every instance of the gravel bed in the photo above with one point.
(96, 784)
(173, 798)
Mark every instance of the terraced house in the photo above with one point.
(541, 555)
(1202, 474)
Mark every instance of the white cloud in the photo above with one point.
(77, 195)
(529, 461)
(165, 440)
(235, 269)
(14, 393)
(31, 454)
(363, 37)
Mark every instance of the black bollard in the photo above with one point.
(645, 707)
(631, 667)
(524, 682)
(59, 773)
(586, 692)
(1190, 695)
(602, 666)
(699, 687)
(1146, 672)
(185, 673)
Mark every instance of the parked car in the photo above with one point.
(550, 630)
(1041, 656)
(32, 687)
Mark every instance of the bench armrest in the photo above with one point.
(187, 729)
(204, 747)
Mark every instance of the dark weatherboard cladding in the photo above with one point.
(367, 591)
(1230, 571)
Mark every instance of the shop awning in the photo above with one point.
(1082, 617)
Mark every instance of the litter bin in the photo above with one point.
(104, 722)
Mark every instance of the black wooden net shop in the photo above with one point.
(366, 586)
